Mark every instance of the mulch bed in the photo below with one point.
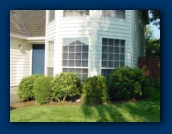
(34, 103)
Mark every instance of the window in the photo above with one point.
(51, 15)
(114, 13)
(113, 54)
(51, 53)
(75, 56)
(74, 13)
(50, 58)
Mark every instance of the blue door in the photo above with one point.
(38, 59)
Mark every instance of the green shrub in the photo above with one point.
(95, 90)
(152, 89)
(25, 89)
(65, 85)
(126, 83)
(153, 93)
(42, 89)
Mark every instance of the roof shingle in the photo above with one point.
(30, 23)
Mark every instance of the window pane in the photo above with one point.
(71, 70)
(121, 56)
(50, 71)
(65, 56)
(121, 63)
(111, 42)
(76, 13)
(78, 71)
(103, 72)
(78, 63)
(116, 49)
(79, 76)
(71, 48)
(84, 70)
(65, 63)
(104, 42)
(116, 64)
(84, 48)
(122, 50)
(71, 63)
(87, 12)
(65, 69)
(110, 49)
(84, 76)
(71, 56)
(84, 63)
(51, 15)
(104, 56)
(104, 48)
(116, 56)
(77, 48)
(110, 63)
(78, 56)
(122, 43)
(84, 55)
(65, 49)
(120, 14)
(110, 56)
(116, 42)
(104, 63)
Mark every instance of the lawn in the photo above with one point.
(140, 111)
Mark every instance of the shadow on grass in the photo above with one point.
(143, 111)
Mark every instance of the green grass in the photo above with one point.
(141, 111)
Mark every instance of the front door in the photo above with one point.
(38, 59)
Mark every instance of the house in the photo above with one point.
(88, 42)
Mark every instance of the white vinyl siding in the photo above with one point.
(20, 61)
(95, 26)
(138, 37)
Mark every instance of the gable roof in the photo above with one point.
(29, 23)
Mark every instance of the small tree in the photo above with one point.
(152, 44)
(65, 85)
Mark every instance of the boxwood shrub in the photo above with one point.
(126, 83)
(25, 89)
(42, 89)
(95, 90)
(65, 85)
